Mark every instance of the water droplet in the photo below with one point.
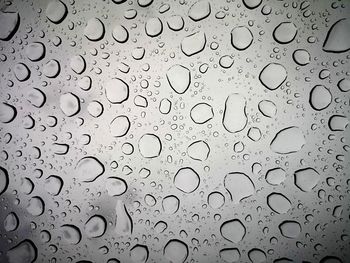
(119, 126)
(320, 97)
(95, 226)
(71, 234)
(154, 27)
(94, 29)
(199, 10)
(290, 229)
(120, 34)
(273, 75)
(241, 37)
(306, 179)
(194, 43)
(175, 251)
(115, 186)
(201, 113)
(239, 186)
(285, 32)
(56, 11)
(69, 104)
(35, 51)
(24, 252)
(88, 169)
(198, 150)
(186, 180)
(150, 145)
(279, 203)
(179, 78)
(338, 37)
(9, 23)
(117, 91)
(139, 253)
(233, 230)
(288, 140)
(235, 117)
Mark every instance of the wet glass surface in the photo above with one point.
(174, 131)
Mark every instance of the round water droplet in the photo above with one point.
(77, 64)
(170, 204)
(201, 113)
(176, 251)
(35, 51)
(267, 108)
(279, 203)
(194, 43)
(117, 91)
(24, 252)
(69, 104)
(139, 253)
(257, 255)
(11, 222)
(301, 57)
(150, 145)
(241, 37)
(186, 180)
(175, 23)
(56, 11)
(273, 75)
(320, 97)
(233, 230)
(7, 112)
(95, 226)
(119, 126)
(344, 84)
(230, 255)
(198, 150)
(290, 229)
(199, 10)
(275, 176)
(285, 32)
(51, 69)
(88, 169)
(53, 184)
(120, 34)
(21, 72)
(36, 206)
(239, 186)
(288, 140)
(115, 186)
(306, 179)
(71, 234)
(94, 29)
(154, 27)
(179, 78)
(216, 200)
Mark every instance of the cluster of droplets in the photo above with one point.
(187, 131)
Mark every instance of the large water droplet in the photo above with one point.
(186, 179)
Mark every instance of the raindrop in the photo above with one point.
(233, 230)
(239, 186)
(288, 140)
(95, 226)
(235, 117)
(241, 37)
(273, 75)
(175, 251)
(186, 180)
(194, 43)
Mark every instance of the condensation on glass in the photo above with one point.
(174, 131)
